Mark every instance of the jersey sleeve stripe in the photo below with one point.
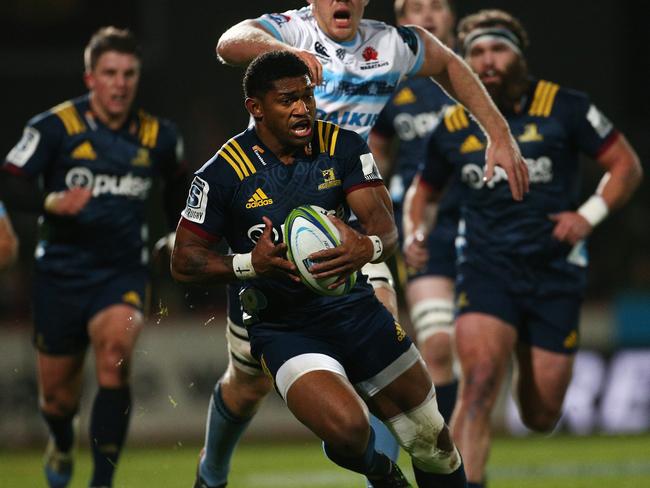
(548, 105)
(320, 136)
(335, 136)
(70, 118)
(248, 162)
(225, 156)
(195, 229)
(236, 157)
(271, 28)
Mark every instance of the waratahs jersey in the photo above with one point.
(513, 240)
(245, 181)
(359, 76)
(68, 147)
(412, 114)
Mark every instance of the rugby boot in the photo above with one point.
(394, 479)
(58, 466)
(199, 482)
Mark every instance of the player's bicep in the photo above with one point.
(435, 55)
(35, 150)
(373, 207)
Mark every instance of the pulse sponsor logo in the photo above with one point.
(101, 184)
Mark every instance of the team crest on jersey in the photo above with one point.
(340, 53)
(84, 151)
(370, 54)
(471, 144)
(259, 199)
(142, 158)
(197, 201)
(530, 134)
(329, 179)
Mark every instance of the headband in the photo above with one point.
(500, 34)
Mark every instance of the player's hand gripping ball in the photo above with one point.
(307, 230)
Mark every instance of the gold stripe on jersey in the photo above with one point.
(543, 99)
(335, 136)
(456, 119)
(149, 128)
(235, 157)
(225, 156)
(248, 162)
(261, 193)
(321, 142)
(68, 114)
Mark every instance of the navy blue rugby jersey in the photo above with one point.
(412, 114)
(245, 181)
(67, 146)
(515, 239)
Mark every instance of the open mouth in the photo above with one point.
(301, 129)
(342, 18)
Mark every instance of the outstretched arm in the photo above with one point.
(457, 79)
(420, 213)
(243, 42)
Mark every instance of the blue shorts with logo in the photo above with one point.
(63, 307)
(545, 320)
(364, 339)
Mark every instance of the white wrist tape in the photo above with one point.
(242, 266)
(378, 248)
(594, 210)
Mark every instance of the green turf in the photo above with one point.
(558, 462)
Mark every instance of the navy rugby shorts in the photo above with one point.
(547, 321)
(363, 337)
(63, 307)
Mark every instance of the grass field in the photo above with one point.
(558, 462)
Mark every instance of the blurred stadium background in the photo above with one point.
(597, 46)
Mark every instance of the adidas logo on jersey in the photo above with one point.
(471, 144)
(259, 199)
(404, 97)
(84, 151)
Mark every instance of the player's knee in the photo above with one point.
(113, 364)
(423, 434)
(347, 430)
(248, 390)
(60, 404)
(541, 420)
(480, 387)
(437, 351)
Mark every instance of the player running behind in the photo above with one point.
(522, 267)
(97, 157)
(398, 141)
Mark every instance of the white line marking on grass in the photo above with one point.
(609, 470)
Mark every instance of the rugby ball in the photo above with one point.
(307, 230)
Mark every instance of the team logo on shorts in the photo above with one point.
(401, 334)
(462, 301)
(571, 341)
(132, 298)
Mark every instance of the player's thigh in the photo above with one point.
(543, 378)
(59, 381)
(427, 287)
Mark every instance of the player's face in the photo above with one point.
(432, 15)
(339, 19)
(113, 83)
(494, 62)
(289, 110)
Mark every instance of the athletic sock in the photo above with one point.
(223, 431)
(452, 480)
(370, 463)
(109, 422)
(61, 430)
(446, 398)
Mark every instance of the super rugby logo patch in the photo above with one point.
(197, 201)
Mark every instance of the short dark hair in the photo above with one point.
(492, 18)
(269, 67)
(110, 39)
(400, 5)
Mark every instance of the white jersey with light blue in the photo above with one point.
(359, 76)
